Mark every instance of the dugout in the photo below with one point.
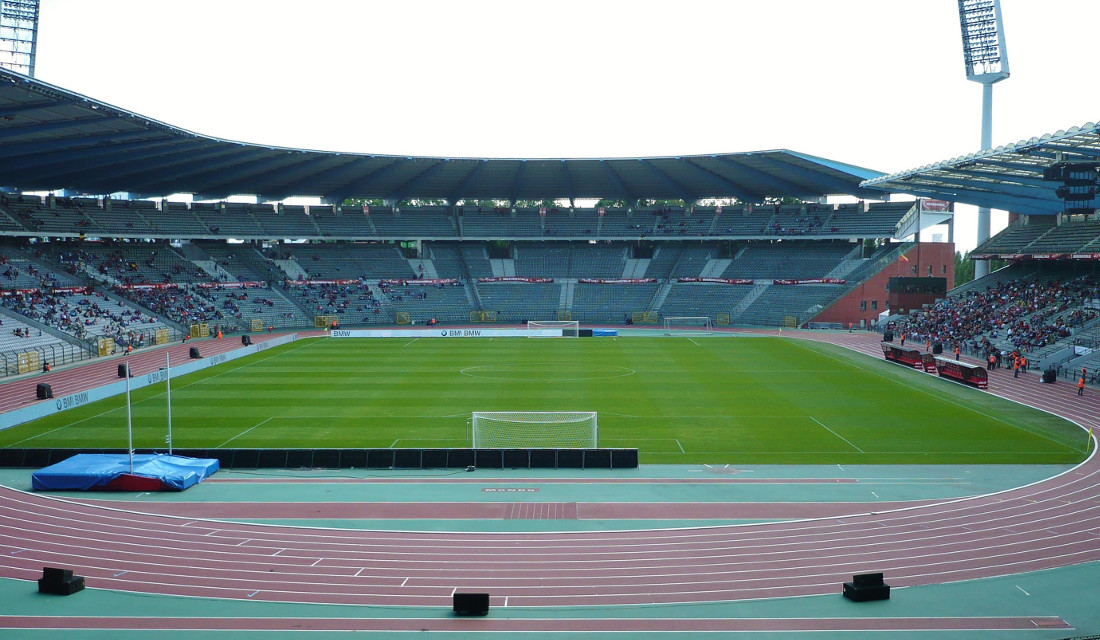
(901, 355)
(966, 373)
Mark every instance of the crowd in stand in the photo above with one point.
(1026, 313)
(86, 316)
(336, 299)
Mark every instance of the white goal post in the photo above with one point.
(688, 326)
(569, 328)
(534, 430)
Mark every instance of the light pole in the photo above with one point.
(986, 61)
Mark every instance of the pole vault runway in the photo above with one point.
(1049, 524)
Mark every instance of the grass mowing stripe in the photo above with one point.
(721, 401)
(953, 401)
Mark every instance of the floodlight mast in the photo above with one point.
(986, 60)
(18, 35)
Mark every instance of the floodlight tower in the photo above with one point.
(18, 35)
(986, 62)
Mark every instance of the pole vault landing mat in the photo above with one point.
(111, 472)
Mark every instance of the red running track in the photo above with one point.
(101, 371)
(1049, 524)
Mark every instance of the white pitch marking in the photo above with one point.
(317, 563)
(680, 445)
(454, 591)
(244, 542)
(1022, 589)
(358, 572)
(244, 432)
(874, 494)
(692, 341)
(394, 444)
(253, 593)
(121, 573)
(506, 601)
(410, 342)
(404, 581)
(836, 434)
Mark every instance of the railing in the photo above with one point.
(54, 354)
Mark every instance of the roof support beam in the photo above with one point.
(982, 200)
(358, 188)
(732, 188)
(992, 178)
(312, 172)
(624, 191)
(226, 179)
(50, 127)
(68, 160)
(17, 109)
(517, 182)
(407, 189)
(460, 192)
(811, 178)
(782, 187)
(677, 187)
(100, 156)
(40, 146)
(147, 175)
(569, 190)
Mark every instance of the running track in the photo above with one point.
(1049, 524)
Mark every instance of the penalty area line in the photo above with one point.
(244, 432)
(837, 434)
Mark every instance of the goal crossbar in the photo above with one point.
(688, 325)
(569, 328)
(534, 429)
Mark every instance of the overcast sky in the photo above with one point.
(876, 83)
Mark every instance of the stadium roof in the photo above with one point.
(54, 139)
(1009, 177)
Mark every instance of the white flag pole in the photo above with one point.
(168, 381)
(129, 420)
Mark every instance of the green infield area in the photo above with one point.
(678, 400)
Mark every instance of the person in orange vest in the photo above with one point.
(1023, 364)
(45, 367)
(992, 362)
(927, 345)
(129, 348)
(1081, 386)
(219, 334)
(956, 353)
(270, 328)
(1016, 367)
(903, 338)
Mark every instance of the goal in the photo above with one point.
(569, 328)
(534, 429)
(688, 326)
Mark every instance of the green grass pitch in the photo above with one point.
(678, 400)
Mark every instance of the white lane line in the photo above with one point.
(837, 435)
(244, 432)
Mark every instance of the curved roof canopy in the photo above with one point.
(52, 139)
(1009, 177)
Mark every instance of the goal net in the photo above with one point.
(688, 326)
(569, 328)
(534, 429)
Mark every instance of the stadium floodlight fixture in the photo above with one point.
(18, 35)
(983, 38)
(986, 60)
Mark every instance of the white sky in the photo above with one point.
(875, 83)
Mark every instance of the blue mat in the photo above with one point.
(86, 471)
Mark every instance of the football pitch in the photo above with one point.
(717, 400)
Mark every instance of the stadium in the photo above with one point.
(766, 384)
